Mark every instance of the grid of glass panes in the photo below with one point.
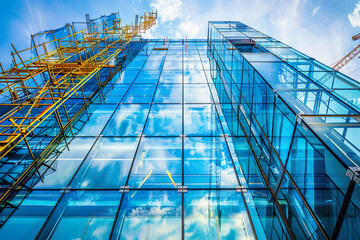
(154, 161)
(266, 95)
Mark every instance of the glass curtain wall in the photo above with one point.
(154, 160)
(237, 137)
(300, 119)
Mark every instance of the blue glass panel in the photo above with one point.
(98, 120)
(207, 163)
(153, 65)
(192, 65)
(30, 216)
(197, 93)
(201, 120)
(158, 163)
(67, 163)
(128, 120)
(216, 215)
(248, 166)
(260, 57)
(172, 65)
(149, 215)
(319, 176)
(127, 76)
(164, 120)
(194, 77)
(309, 65)
(287, 53)
(282, 76)
(265, 216)
(107, 165)
(117, 93)
(170, 76)
(340, 133)
(146, 76)
(157, 55)
(191, 58)
(173, 57)
(298, 216)
(84, 215)
(351, 225)
(135, 65)
(140, 93)
(168, 93)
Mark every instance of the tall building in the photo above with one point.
(237, 136)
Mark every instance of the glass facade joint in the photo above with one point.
(299, 118)
(65, 189)
(241, 189)
(276, 93)
(224, 135)
(354, 174)
(182, 189)
(124, 189)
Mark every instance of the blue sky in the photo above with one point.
(319, 28)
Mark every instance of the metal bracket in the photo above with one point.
(276, 93)
(124, 189)
(182, 189)
(354, 174)
(65, 189)
(299, 118)
(241, 189)
(224, 135)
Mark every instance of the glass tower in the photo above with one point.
(237, 136)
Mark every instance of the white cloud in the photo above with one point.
(151, 33)
(354, 17)
(34, 18)
(288, 22)
(315, 10)
(168, 10)
(189, 29)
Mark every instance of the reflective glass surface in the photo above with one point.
(237, 137)
(146, 160)
(297, 116)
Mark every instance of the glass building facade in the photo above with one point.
(299, 119)
(237, 136)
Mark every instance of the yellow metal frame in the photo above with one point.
(65, 77)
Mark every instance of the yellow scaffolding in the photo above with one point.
(49, 79)
(66, 77)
